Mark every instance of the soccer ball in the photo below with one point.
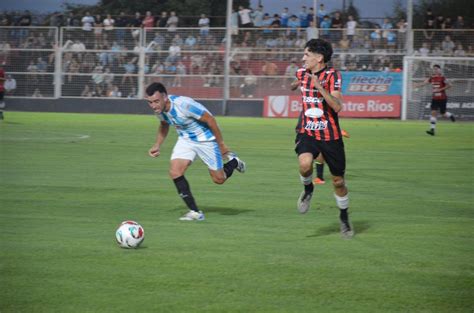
(129, 235)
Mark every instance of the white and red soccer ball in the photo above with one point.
(130, 235)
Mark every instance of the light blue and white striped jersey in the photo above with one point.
(183, 115)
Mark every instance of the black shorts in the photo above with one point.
(439, 105)
(332, 151)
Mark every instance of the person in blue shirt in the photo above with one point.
(198, 136)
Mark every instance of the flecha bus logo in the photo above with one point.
(377, 84)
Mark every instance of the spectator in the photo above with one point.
(303, 17)
(32, 69)
(109, 23)
(351, 26)
(293, 25)
(189, 42)
(204, 25)
(459, 23)
(37, 93)
(10, 85)
(115, 92)
(174, 53)
(87, 22)
(98, 79)
(439, 22)
(149, 20)
(86, 92)
(428, 32)
(269, 69)
(376, 38)
(108, 77)
(325, 26)
(257, 16)
(290, 73)
(337, 24)
(448, 45)
(133, 93)
(180, 72)
(321, 13)
(248, 88)
(312, 32)
(276, 22)
(98, 28)
(172, 22)
(122, 21)
(245, 19)
(130, 70)
(387, 28)
(162, 20)
(234, 22)
(459, 52)
(285, 15)
(137, 20)
(157, 68)
(41, 65)
(402, 27)
(197, 63)
(429, 16)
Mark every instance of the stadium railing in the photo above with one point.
(118, 63)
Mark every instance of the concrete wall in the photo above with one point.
(234, 108)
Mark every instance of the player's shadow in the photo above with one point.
(221, 210)
(359, 227)
(226, 211)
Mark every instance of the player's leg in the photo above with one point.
(443, 112)
(181, 158)
(334, 154)
(307, 150)
(319, 170)
(433, 119)
(2, 104)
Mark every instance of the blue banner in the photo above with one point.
(371, 83)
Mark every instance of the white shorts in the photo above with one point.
(208, 152)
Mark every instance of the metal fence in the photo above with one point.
(118, 63)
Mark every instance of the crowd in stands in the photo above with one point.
(101, 53)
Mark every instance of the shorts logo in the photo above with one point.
(319, 125)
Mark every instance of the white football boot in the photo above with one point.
(192, 216)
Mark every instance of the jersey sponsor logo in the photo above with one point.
(319, 125)
(312, 99)
(314, 112)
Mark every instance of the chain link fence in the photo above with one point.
(120, 62)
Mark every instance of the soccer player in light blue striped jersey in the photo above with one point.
(198, 135)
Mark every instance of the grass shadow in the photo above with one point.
(359, 227)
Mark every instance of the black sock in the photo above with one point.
(343, 215)
(309, 188)
(185, 192)
(320, 170)
(229, 167)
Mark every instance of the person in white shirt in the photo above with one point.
(87, 22)
(108, 23)
(245, 19)
(204, 25)
(10, 85)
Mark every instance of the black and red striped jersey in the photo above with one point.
(318, 119)
(438, 82)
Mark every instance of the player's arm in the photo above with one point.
(447, 85)
(212, 124)
(294, 85)
(423, 83)
(160, 138)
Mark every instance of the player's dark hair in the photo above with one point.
(320, 46)
(436, 66)
(154, 87)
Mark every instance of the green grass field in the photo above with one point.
(68, 180)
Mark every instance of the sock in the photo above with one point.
(184, 192)
(433, 122)
(449, 114)
(229, 167)
(308, 183)
(343, 205)
(319, 170)
(343, 215)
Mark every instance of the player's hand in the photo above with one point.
(154, 151)
(317, 84)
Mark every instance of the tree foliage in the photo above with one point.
(446, 8)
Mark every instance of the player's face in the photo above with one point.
(312, 60)
(157, 102)
(436, 71)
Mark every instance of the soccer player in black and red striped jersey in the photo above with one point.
(439, 98)
(318, 130)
